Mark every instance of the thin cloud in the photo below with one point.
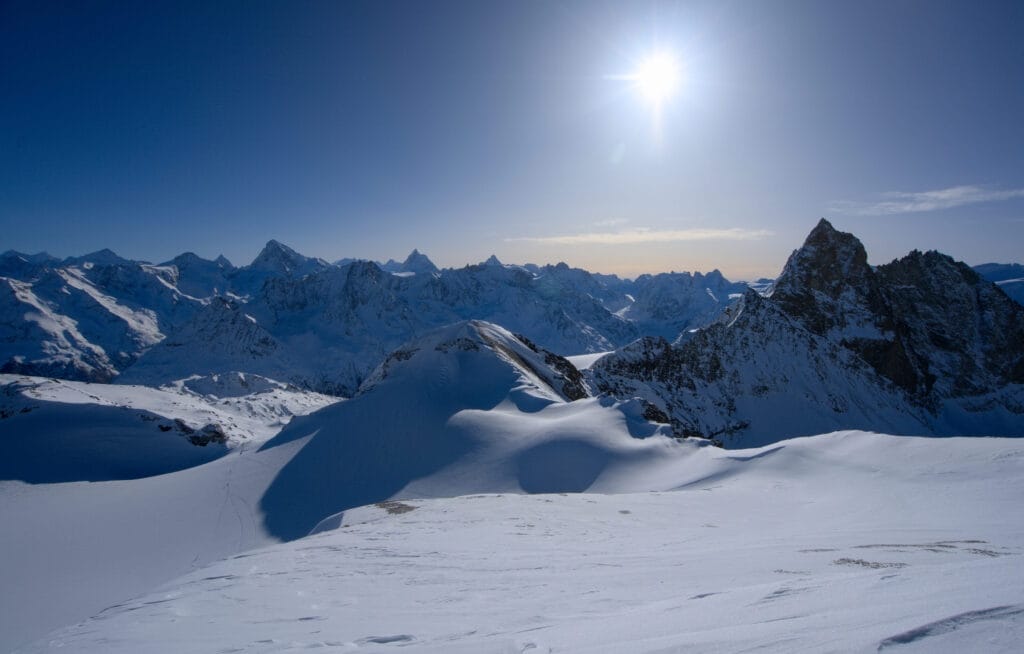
(649, 236)
(897, 202)
(611, 222)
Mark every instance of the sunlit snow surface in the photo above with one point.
(844, 542)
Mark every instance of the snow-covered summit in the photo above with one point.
(416, 263)
(276, 257)
(419, 263)
(201, 277)
(493, 352)
(104, 257)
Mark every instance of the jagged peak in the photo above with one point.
(223, 261)
(828, 259)
(104, 257)
(275, 248)
(418, 262)
(493, 261)
(38, 257)
(931, 268)
(278, 257)
(186, 257)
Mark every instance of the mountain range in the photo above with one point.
(503, 380)
(923, 344)
(318, 325)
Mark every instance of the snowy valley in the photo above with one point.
(357, 456)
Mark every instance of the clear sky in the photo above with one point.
(365, 129)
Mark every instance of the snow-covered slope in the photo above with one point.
(671, 304)
(221, 338)
(848, 542)
(756, 377)
(88, 317)
(200, 277)
(415, 263)
(60, 431)
(471, 408)
(467, 408)
(921, 345)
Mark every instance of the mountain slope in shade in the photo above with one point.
(416, 263)
(221, 338)
(754, 377)
(199, 277)
(668, 305)
(274, 260)
(61, 431)
(922, 345)
(1007, 276)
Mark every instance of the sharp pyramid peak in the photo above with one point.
(275, 253)
(827, 256)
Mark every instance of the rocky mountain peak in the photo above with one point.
(493, 261)
(278, 257)
(828, 262)
(418, 262)
(104, 257)
(828, 285)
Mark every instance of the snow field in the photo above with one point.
(844, 542)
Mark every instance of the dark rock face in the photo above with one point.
(925, 322)
(901, 341)
(966, 336)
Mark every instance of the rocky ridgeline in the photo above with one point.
(921, 345)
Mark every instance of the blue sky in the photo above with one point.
(365, 129)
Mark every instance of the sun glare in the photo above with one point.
(658, 78)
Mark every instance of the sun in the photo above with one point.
(658, 77)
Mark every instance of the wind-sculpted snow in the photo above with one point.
(466, 408)
(851, 542)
